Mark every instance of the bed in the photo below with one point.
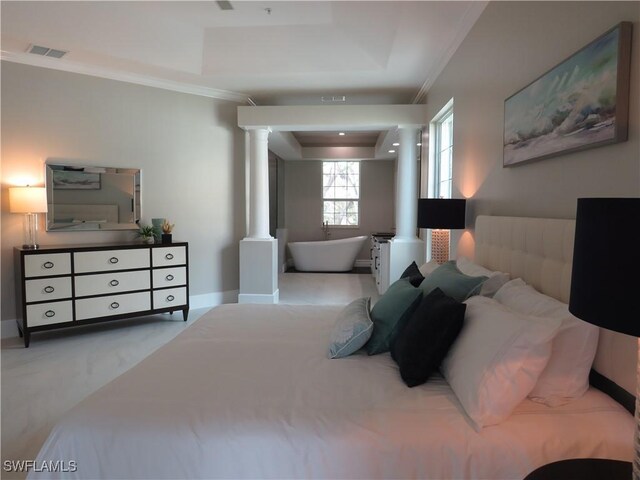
(248, 392)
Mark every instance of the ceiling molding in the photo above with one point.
(467, 21)
(73, 67)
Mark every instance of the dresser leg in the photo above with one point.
(27, 338)
(185, 314)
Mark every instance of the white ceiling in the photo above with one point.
(373, 52)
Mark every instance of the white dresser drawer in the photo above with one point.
(106, 283)
(44, 289)
(106, 260)
(39, 265)
(169, 256)
(169, 277)
(112, 305)
(171, 297)
(49, 313)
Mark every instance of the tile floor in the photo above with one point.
(60, 368)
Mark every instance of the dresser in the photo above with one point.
(65, 286)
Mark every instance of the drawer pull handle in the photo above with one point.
(48, 265)
(113, 260)
(169, 256)
(48, 289)
(114, 283)
(115, 305)
(49, 313)
(170, 298)
(168, 278)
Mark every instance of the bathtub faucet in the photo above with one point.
(325, 230)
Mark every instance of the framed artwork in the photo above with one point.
(75, 180)
(581, 103)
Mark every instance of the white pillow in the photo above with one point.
(492, 285)
(496, 360)
(567, 374)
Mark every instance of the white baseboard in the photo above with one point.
(363, 263)
(264, 298)
(9, 328)
(213, 299)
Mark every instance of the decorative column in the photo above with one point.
(259, 183)
(407, 184)
(258, 250)
(406, 247)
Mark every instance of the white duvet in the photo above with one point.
(248, 392)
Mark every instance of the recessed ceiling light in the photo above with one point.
(419, 144)
(342, 134)
(396, 144)
(392, 151)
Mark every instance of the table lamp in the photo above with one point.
(441, 215)
(30, 201)
(604, 278)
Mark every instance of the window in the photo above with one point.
(443, 154)
(340, 193)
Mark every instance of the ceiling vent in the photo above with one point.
(46, 51)
(224, 5)
(334, 99)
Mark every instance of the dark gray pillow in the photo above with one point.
(422, 344)
(412, 272)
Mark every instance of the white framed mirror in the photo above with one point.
(82, 198)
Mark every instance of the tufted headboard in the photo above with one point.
(540, 251)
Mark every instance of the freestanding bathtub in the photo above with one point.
(326, 256)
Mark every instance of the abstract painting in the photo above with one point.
(581, 103)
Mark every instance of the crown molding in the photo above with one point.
(471, 15)
(148, 81)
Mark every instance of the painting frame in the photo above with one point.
(549, 116)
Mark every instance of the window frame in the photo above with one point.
(445, 115)
(356, 200)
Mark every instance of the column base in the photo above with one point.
(258, 271)
(401, 253)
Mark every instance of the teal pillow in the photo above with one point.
(390, 313)
(452, 282)
(352, 329)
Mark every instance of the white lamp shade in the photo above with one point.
(27, 199)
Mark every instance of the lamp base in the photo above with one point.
(31, 247)
(440, 245)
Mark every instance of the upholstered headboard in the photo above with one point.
(540, 251)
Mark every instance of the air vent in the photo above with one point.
(224, 5)
(46, 51)
(334, 99)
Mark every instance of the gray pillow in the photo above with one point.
(455, 284)
(352, 329)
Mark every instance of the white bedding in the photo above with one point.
(248, 392)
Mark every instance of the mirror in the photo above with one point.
(92, 198)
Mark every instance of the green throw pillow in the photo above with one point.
(452, 282)
(390, 313)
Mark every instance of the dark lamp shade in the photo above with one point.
(605, 279)
(445, 213)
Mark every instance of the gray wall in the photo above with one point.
(511, 45)
(303, 201)
(189, 150)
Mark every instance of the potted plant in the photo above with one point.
(145, 232)
(166, 231)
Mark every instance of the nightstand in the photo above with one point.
(583, 469)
